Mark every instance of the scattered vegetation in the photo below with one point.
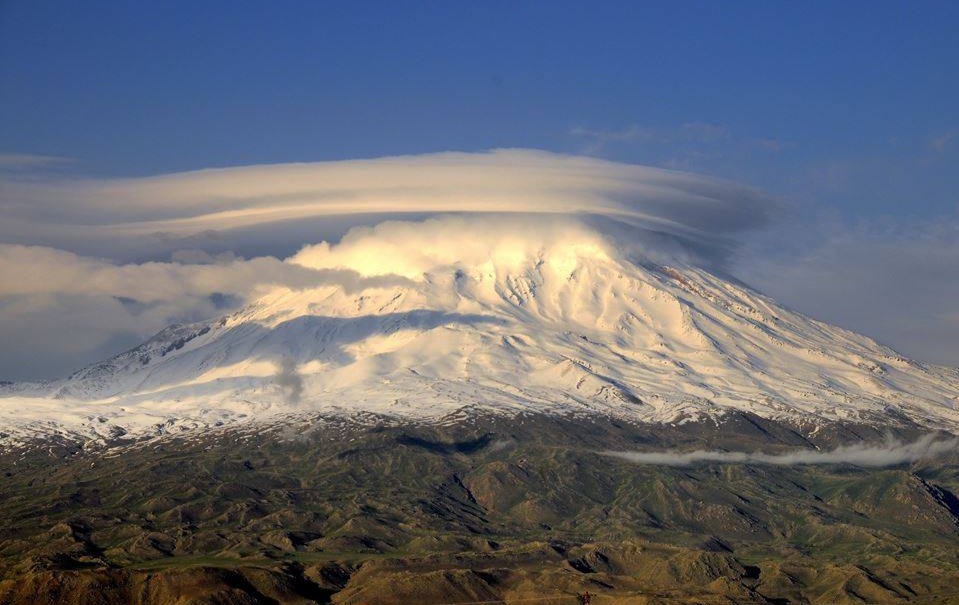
(481, 510)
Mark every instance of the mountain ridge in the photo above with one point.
(567, 324)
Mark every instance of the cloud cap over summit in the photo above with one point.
(703, 213)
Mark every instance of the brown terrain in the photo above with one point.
(493, 510)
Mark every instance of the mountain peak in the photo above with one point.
(543, 317)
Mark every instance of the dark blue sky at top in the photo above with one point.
(846, 105)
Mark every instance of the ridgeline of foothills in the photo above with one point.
(495, 509)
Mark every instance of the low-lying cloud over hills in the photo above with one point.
(888, 454)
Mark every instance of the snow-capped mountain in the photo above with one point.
(560, 321)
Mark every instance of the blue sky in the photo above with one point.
(848, 111)
(852, 102)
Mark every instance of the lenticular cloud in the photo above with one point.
(705, 214)
(136, 254)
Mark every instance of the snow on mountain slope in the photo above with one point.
(553, 318)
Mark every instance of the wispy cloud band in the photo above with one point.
(875, 455)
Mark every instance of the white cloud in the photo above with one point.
(92, 251)
(76, 214)
(29, 161)
(886, 454)
(411, 249)
(289, 379)
(898, 285)
(35, 270)
(60, 311)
